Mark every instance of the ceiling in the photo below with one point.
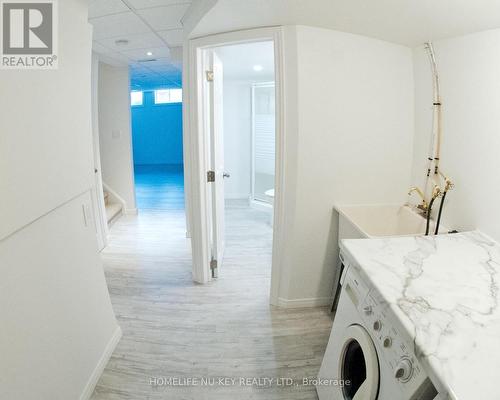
(407, 22)
(239, 60)
(154, 34)
(156, 25)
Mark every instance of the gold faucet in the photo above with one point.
(448, 184)
(436, 192)
(423, 205)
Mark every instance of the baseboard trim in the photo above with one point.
(103, 361)
(305, 303)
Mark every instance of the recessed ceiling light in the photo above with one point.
(258, 68)
(149, 53)
(121, 42)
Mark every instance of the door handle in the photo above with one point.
(226, 175)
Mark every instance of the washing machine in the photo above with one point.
(368, 356)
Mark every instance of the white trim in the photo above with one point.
(252, 147)
(195, 145)
(103, 361)
(305, 303)
(130, 211)
(97, 193)
(186, 143)
(279, 173)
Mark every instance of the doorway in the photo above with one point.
(248, 144)
(156, 115)
(210, 70)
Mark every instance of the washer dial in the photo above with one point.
(404, 370)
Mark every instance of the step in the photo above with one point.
(113, 212)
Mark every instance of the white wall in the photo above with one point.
(37, 121)
(57, 326)
(57, 320)
(238, 138)
(115, 135)
(470, 85)
(349, 129)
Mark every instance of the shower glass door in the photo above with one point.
(263, 142)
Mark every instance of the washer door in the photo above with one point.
(359, 365)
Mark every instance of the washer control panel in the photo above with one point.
(395, 348)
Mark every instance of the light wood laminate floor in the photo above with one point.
(175, 328)
(159, 187)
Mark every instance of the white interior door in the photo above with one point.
(217, 161)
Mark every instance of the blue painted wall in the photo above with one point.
(157, 132)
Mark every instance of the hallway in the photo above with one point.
(175, 328)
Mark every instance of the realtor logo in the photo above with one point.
(28, 32)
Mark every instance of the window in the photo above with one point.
(136, 98)
(166, 96)
(176, 95)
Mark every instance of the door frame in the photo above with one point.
(196, 147)
(99, 208)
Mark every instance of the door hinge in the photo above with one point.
(213, 268)
(211, 176)
(210, 76)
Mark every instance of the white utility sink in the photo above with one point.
(370, 221)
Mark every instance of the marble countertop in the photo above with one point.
(444, 290)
